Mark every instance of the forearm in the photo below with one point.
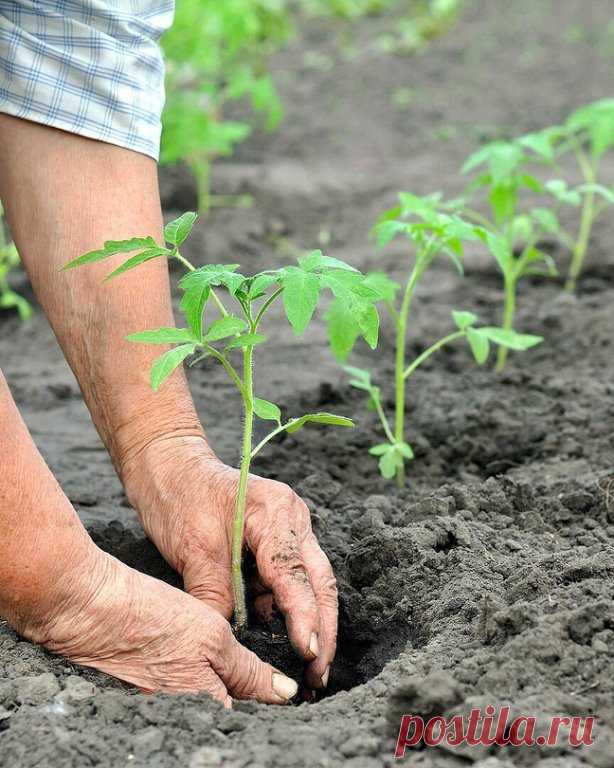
(64, 195)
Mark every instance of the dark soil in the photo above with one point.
(490, 579)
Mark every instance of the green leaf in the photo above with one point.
(559, 189)
(597, 120)
(318, 418)
(11, 300)
(389, 463)
(135, 261)
(166, 364)
(300, 297)
(541, 143)
(266, 410)
(212, 275)
(405, 450)
(464, 319)
(176, 231)
(546, 219)
(259, 284)
(383, 285)
(480, 346)
(316, 260)
(224, 327)
(386, 231)
(247, 340)
(598, 189)
(112, 248)
(342, 328)
(500, 249)
(163, 336)
(503, 198)
(380, 449)
(368, 322)
(360, 379)
(193, 303)
(511, 339)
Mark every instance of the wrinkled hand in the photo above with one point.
(186, 499)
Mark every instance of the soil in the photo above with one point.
(490, 579)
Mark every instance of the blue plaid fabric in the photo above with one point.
(91, 67)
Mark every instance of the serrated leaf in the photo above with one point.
(213, 275)
(300, 297)
(163, 336)
(260, 284)
(166, 364)
(176, 231)
(318, 418)
(266, 410)
(112, 248)
(135, 261)
(316, 260)
(224, 327)
(368, 322)
(193, 303)
(464, 319)
(248, 340)
(342, 329)
(479, 344)
(386, 231)
(511, 339)
(383, 285)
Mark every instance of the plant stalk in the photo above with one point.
(238, 527)
(581, 246)
(508, 320)
(399, 370)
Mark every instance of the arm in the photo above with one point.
(65, 195)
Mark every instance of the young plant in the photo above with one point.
(217, 53)
(512, 233)
(238, 331)
(431, 232)
(9, 259)
(590, 134)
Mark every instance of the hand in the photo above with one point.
(102, 614)
(185, 498)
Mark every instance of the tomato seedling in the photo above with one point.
(9, 260)
(512, 233)
(217, 53)
(589, 131)
(298, 287)
(432, 232)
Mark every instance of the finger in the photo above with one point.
(281, 569)
(247, 677)
(325, 588)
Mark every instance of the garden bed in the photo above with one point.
(490, 578)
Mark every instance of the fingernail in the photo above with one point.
(284, 686)
(314, 647)
(324, 677)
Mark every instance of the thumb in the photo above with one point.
(247, 677)
(209, 581)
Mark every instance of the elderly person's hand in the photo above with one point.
(185, 498)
